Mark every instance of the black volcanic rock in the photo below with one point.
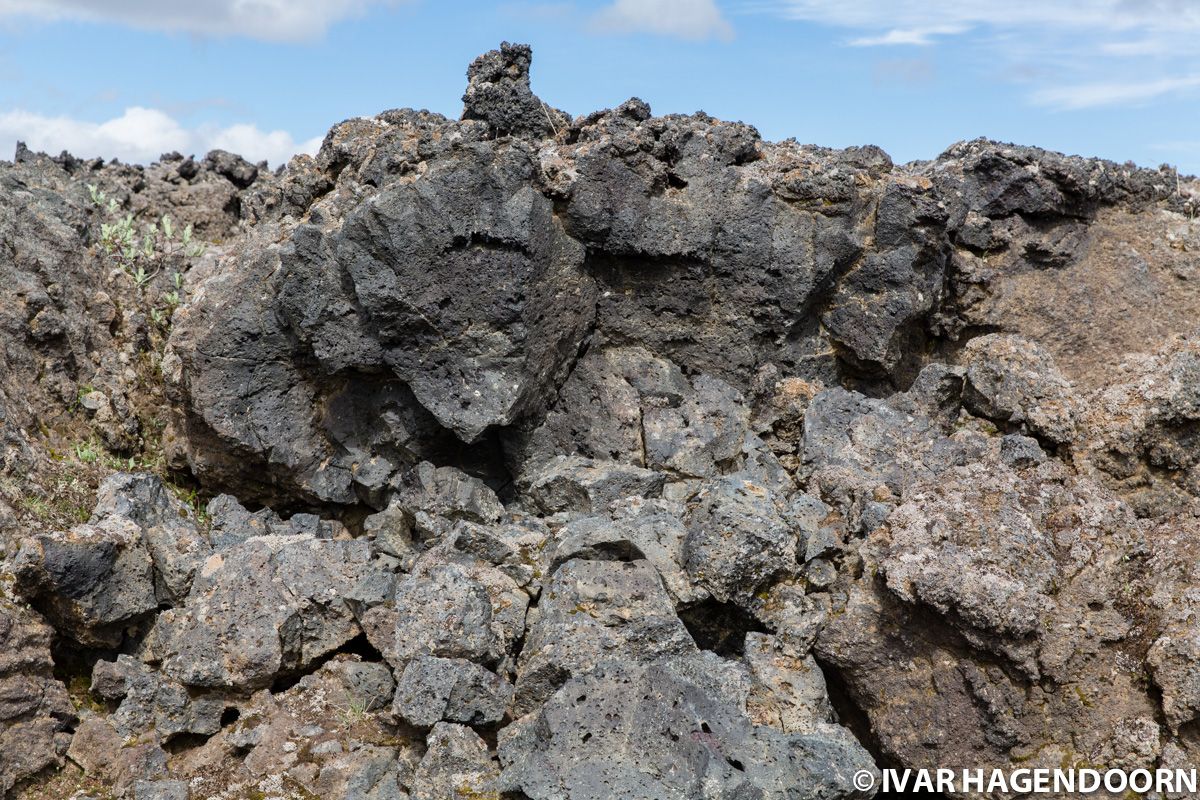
(522, 455)
(498, 93)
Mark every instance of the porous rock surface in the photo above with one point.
(567, 458)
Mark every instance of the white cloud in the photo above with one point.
(1070, 54)
(1112, 15)
(1092, 95)
(908, 36)
(141, 135)
(685, 19)
(274, 20)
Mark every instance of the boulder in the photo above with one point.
(457, 764)
(649, 730)
(432, 690)
(95, 582)
(271, 606)
(737, 539)
(1010, 380)
(591, 611)
(574, 483)
(451, 610)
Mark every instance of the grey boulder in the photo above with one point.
(432, 690)
(269, 606)
(650, 731)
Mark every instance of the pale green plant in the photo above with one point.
(100, 199)
(87, 452)
(142, 253)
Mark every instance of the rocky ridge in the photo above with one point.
(536, 456)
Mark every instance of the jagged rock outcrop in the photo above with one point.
(1007, 590)
(73, 324)
(524, 455)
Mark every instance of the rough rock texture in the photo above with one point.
(530, 456)
(270, 606)
(645, 730)
(35, 713)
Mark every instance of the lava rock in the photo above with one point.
(648, 731)
(737, 539)
(36, 716)
(94, 582)
(457, 764)
(268, 607)
(591, 611)
(574, 483)
(450, 610)
(433, 690)
(1012, 381)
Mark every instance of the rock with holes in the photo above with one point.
(514, 546)
(657, 529)
(498, 94)
(591, 611)
(369, 684)
(150, 701)
(598, 413)
(160, 790)
(457, 764)
(140, 550)
(654, 730)
(710, 244)
(431, 499)
(637, 420)
(1174, 661)
(636, 528)
(391, 534)
(432, 690)
(327, 736)
(860, 454)
(788, 688)
(1169, 606)
(701, 436)
(121, 763)
(369, 772)
(230, 523)
(876, 311)
(1138, 434)
(737, 538)
(1011, 380)
(35, 712)
(270, 606)
(168, 529)
(427, 313)
(451, 609)
(628, 405)
(1015, 594)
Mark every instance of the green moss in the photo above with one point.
(79, 689)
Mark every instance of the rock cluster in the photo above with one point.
(608, 456)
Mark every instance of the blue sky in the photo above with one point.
(133, 78)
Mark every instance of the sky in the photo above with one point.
(132, 79)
